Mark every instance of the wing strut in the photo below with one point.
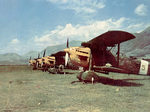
(90, 60)
(104, 55)
(118, 53)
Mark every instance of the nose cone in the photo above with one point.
(66, 50)
(29, 62)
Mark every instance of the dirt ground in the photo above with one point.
(25, 90)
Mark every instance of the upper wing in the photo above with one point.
(59, 54)
(109, 39)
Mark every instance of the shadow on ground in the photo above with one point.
(117, 82)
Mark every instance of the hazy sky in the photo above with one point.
(27, 25)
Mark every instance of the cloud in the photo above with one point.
(141, 10)
(14, 41)
(78, 32)
(86, 32)
(14, 46)
(79, 6)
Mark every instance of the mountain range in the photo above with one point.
(15, 59)
(139, 47)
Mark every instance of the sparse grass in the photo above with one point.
(25, 90)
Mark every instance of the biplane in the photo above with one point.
(59, 62)
(53, 63)
(37, 62)
(96, 55)
(47, 62)
(31, 62)
(56, 63)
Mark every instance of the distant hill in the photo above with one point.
(15, 59)
(33, 55)
(53, 49)
(139, 47)
(11, 59)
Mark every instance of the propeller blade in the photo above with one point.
(66, 59)
(29, 61)
(67, 55)
(29, 64)
(67, 43)
(42, 64)
(44, 53)
(37, 64)
(38, 55)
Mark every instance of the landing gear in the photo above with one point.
(53, 70)
(56, 70)
(88, 76)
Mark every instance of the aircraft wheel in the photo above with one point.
(61, 67)
(53, 71)
(89, 75)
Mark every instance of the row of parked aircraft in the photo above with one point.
(54, 62)
(96, 56)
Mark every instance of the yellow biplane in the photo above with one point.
(96, 55)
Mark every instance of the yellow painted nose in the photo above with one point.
(66, 50)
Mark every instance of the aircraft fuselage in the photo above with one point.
(79, 55)
(48, 60)
(32, 62)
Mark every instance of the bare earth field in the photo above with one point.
(25, 90)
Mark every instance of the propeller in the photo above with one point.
(37, 63)
(66, 59)
(44, 53)
(67, 55)
(67, 43)
(42, 62)
(43, 56)
(38, 55)
(29, 61)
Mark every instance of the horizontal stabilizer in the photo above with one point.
(109, 69)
